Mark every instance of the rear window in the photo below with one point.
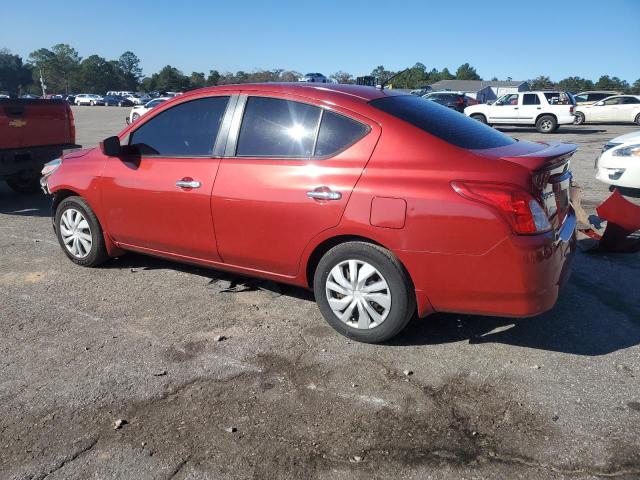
(442, 122)
(558, 98)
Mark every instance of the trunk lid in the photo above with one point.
(549, 167)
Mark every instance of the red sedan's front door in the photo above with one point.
(157, 195)
(147, 209)
(266, 208)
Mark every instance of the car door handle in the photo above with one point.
(324, 194)
(515, 108)
(186, 183)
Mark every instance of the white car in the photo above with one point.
(314, 78)
(88, 99)
(619, 162)
(139, 110)
(619, 108)
(545, 110)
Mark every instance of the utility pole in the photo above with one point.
(44, 87)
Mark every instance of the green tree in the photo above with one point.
(290, 76)
(197, 80)
(170, 79)
(130, 70)
(14, 75)
(635, 89)
(467, 72)
(57, 66)
(342, 77)
(97, 75)
(381, 74)
(612, 83)
(575, 84)
(445, 74)
(213, 78)
(541, 83)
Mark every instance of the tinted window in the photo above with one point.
(337, 133)
(613, 101)
(558, 98)
(442, 122)
(272, 127)
(630, 100)
(530, 99)
(188, 129)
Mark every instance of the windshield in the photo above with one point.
(448, 125)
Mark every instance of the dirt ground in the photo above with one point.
(282, 396)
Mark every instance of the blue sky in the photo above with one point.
(499, 38)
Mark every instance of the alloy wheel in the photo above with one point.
(358, 294)
(76, 233)
(546, 125)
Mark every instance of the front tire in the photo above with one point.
(364, 292)
(134, 117)
(93, 104)
(579, 118)
(479, 117)
(637, 120)
(79, 232)
(546, 124)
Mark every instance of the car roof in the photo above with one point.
(319, 92)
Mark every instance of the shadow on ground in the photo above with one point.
(598, 311)
(20, 204)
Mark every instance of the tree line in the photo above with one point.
(63, 70)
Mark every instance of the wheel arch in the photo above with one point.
(546, 114)
(328, 243)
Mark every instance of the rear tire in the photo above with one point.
(579, 120)
(374, 304)
(637, 120)
(92, 103)
(479, 117)
(546, 124)
(25, 182)
(79, 232)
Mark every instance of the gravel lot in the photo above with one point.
(283, 396)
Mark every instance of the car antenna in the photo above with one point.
(381, 87)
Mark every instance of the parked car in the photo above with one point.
(592, 96)
(420, 92)
(619, 161)
(314, 78)
(545, 109)
(139, 110)
(381, 202)
(456, 100)
(619, 108)
(70, 98)
(29, 96)
(117, 101)
(121, 93)
(32, 132)
(89, 99)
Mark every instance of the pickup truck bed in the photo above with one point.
(32, 132)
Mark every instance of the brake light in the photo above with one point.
(518, 207)
(571, 109)
(460, 100)
(72, 125)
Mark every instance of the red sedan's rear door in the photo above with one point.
(272, 195)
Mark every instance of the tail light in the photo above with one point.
(522, 212)
(571, 109)
(72, 125)
(460, 100)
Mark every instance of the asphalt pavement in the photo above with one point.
(148, 369)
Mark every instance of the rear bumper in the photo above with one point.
(566, 119)
(520, 277)
(14, 161)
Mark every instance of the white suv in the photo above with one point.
(545, 110)
(88, 99)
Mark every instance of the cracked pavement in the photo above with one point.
(283, 396)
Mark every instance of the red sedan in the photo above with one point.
(383, 203)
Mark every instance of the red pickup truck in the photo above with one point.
(32, 132)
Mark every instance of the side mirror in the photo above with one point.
(111, 147)
(498, 103)
(600, 104)
(490, 102)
